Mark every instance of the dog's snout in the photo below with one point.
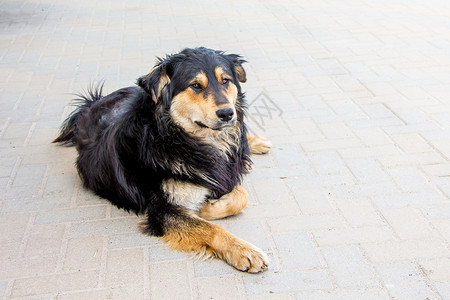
(225, 114)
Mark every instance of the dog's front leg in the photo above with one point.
(186, 232)
(258, 144)
(227, 205)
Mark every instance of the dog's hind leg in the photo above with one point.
(186, 232)
(258, 144)
(227, 205)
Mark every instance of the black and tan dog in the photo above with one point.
(174, 147)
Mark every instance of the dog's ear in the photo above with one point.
(238, 61)
(157, 80)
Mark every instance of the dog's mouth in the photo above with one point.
(218, 127)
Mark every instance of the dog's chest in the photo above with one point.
(182, 193)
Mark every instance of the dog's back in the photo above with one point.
(97, 128)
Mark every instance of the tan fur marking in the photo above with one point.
(258, 144)
(201, 78)
(227, 205)
(218, 71)
(184, 193)
(211, 240)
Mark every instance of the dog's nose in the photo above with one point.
(225, 114)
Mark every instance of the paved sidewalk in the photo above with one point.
(352, 203)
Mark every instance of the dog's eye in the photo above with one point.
(225, 81)
(196, 86)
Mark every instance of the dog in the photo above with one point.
(175, 148)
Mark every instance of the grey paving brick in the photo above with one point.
(327, 162)
(83, 253)
(53, 283)
(252, 231)
(162, 253)
(354, 273)
(289, 245)
(313, 201)
(125, 266)
(397, 200)
(410, 179)
(3, 286)
(436, 269)
(305, 223)
(408, 223)
(286, 282)
(271, 190)
(367, 293)
(405, 281)
(103, 227)
(352, 236)
(359, 212)
(437, 212)
(123, 292)
(391, 251)
(443, 288)
(367, 170)
(443, 184)
(223, 287)
(70, 215)
(29, 175)
(131, 240)
(7, 165)
(170, 281)
(60, 185)
(288, 155)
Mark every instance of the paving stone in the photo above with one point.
(223, 287)
(443, 227)
(436, 269)
(170, 281)
(361, 213)
(404, 280)
(391, 251)
(103, 227)
(70, 215)
(290, 244)
(327, 162)
(355, 273)
(83, 254)
(437, 212)
(34, 204)
(131, 240)
(305, 223)
(408, 223)
(35, 286)
(351, 236)
(125, 266)
(134, 292)
(367, 293)
(443, 289)
(286, 282)
(29, 175)
(252, 231)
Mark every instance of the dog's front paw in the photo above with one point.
(258, 144)
(247, 258)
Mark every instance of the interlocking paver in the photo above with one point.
(405, 281)
(353, 201)
(355, 273)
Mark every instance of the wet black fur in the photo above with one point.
(128, 144)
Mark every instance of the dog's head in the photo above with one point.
(200, 87)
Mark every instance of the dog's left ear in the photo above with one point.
(157, 80)
(238, 61)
